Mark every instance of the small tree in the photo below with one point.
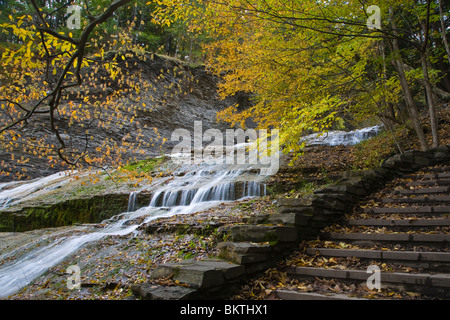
(49, 74)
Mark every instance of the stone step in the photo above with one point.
(443, 238)
(205, 228)
(386, 278)
(409, 210)
(427, 190)
(381, 255)
(424, 190)
(255, 257)
(429, 182)
(436, 169)
(430, 175)
(294, 218)
(263, 233)
(411, 223)
(427, 195)
(245, 247)
(442, 199)
(285, 294)
(244, 252)
(200, 273)
(150, 291)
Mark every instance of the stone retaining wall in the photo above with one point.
(328, 205)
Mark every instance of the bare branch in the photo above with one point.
(57, 35)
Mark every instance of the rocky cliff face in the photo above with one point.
(169, 95)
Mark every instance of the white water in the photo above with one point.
(201, 188)
(334, 138)
(196, 191)
(132, 199)
(28, 190)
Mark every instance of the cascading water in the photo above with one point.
(195, 191)
(132, 201)
(334, 138)
(28, 190)
(204, 187)
(253, 189)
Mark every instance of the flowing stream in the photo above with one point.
(346, 138)
(200, 189)
(15, 192)
(197, 189)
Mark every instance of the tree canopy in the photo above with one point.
(310, 66)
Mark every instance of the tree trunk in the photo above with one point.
(444, 36)
(431, 100)
(410, 104)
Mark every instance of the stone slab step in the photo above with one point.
(430, 175)
(399, 222)
(244, 247)
(200, 273)
(263, 233)
(443, 199)
(245, 253)
(382, 254)
(428, 190)
(284, 294)
(409, 210)
(421, 279)
(150, 291)
(397, 237)
(437, 169)
(429, 182)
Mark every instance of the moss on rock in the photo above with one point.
(69, 212)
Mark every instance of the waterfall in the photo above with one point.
(201, 190)
(253, 189)
(334, 138)
(132, 199)
(27, 190)
(197, 190)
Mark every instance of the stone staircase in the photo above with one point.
(404, 232)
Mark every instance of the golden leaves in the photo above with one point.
(95, 105)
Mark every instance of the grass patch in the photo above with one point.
(144, 166)
(135, 172)
(85, 190)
